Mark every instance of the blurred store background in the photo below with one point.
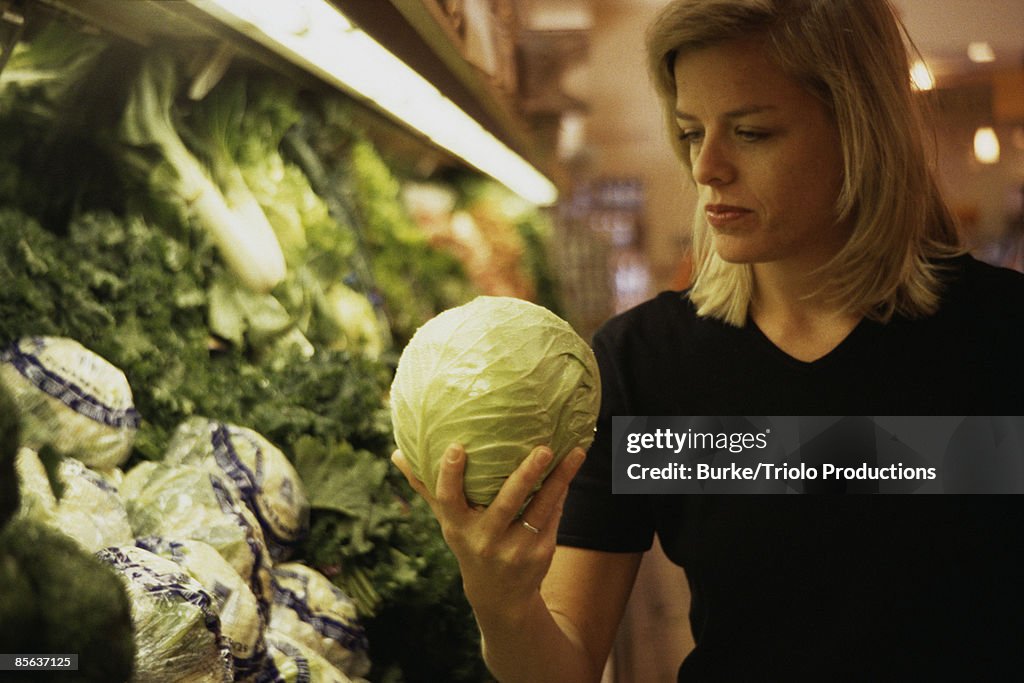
(584, 60)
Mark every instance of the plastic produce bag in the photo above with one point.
(241, 623)
(294, 662)
(177, 630)
(89, 509)
(311, 610)
(70, 398)
(36, 496)
(268, 483)
(187, 502)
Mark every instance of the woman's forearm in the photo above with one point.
(530, 644)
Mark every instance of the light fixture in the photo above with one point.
(986, 145)
(921, 76)
(980, 52)
(315, 35)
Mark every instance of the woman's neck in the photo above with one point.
(789, 308)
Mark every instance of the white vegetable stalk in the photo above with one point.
(236, 223)
(242, 234)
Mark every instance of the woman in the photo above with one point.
(829, 282)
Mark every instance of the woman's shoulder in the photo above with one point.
(988, 298)
(988, 287)
(993, 279)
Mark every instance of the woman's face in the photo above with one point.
(765, 156)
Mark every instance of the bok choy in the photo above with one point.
(228, 212)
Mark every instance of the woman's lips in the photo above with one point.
(721, 215)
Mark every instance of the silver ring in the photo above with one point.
(530, 527)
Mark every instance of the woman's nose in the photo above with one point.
(712, 164)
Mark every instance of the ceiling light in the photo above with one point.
(314, 35)
(921, 76)
(986, 145)
(980, 52)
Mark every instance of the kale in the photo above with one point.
(379, 542)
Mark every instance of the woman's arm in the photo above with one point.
(544, 615)
(567, 631)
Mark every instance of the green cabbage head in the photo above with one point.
(500, 376)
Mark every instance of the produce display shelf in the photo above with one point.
(413, 30)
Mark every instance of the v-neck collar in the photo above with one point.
(837, 351)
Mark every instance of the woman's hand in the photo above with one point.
(503, 555)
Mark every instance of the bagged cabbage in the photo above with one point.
(88, 510)
(293, 662)
(177, 630)
(34, 491)
(240, 620)
(187, 502)
(70, 398)
(500, 376)
(268, 483)
(311, 610)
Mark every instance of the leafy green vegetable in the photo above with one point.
(103, 253)
(399, 269)
(56, 598)
(417, 280)
(47, 72)
(500, 376)
(380, 544)
(58, 94)
(42, 293)
(225, 209)
(244, 123)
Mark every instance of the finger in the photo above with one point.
(400, 462)
(518, 487)
(545, 507)
(549, 530)
(405, 467)
(451, 495)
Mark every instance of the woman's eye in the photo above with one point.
(690, 136)
(750, 135)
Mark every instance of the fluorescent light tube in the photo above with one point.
(318, 37)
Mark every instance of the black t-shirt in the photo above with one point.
(798, 587)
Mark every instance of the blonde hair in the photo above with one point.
(853, 56)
